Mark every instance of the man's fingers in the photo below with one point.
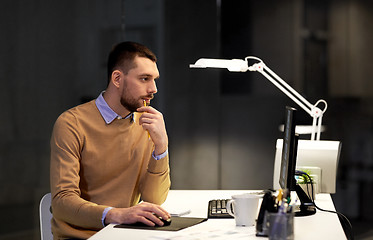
(156, 210)
(145, 212)
(147, 221)
(148, 109)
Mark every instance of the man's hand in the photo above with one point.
(152, 121)
(145, 212)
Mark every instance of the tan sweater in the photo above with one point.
(95, 165)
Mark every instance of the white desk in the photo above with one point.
(322, 225)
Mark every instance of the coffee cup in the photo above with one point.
(244, 208)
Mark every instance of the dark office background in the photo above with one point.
(222, 126)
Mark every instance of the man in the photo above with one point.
(107, 153)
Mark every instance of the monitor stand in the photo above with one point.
(307, 207)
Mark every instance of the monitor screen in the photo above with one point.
(289, 153)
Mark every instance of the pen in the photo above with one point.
(145, 106)
(279, 196)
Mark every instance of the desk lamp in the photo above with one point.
(323, 155)
(239, 65)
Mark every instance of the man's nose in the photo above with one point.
(152, 87)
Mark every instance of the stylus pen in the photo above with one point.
(179, 214)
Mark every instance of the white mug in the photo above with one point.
(245, 208)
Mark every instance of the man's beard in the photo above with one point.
(132, 104)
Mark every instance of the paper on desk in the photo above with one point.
(217, 234)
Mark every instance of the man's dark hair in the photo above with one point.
(122, 55)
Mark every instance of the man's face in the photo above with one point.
(139, 84)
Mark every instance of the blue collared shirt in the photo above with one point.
(106, 112)
(109, 116)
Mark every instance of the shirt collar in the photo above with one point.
(107, 113)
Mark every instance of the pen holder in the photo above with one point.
(280, 226)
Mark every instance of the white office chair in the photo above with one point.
(45, 215)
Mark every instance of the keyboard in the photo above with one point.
(217, 209)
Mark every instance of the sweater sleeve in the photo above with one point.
(67, 205)
(156, 184)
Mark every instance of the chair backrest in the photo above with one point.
(45, 216)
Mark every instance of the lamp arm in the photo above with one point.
(315, 112)
(285, 88)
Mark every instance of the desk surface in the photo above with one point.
(322, 225)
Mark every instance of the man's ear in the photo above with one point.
(116, 78)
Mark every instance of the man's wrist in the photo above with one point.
(104, 213)
(160, 156)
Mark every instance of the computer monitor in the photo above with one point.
(289, 153)
(320, 158)
(288, 162)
